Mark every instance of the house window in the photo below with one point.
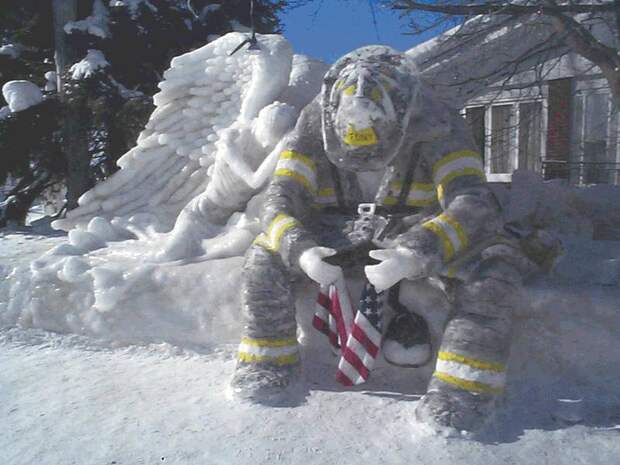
(530, 136)
(510, 136)
(502, 135)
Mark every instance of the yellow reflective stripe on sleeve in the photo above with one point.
(421, 195)
(326, 196)
(458, 229)
(298, 167)
(291, 155)
(448, 249)
(454, 156)
(471, 386)
(300, 178)
(472, 362)
(270, 239)
(451, 233)
(454, 165)
(269, 342)
(441, 187)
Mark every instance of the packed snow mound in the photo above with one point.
(95, 24)
(11, 50)
(21, 95)
(89, 65)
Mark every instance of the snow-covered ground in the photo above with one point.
(74, 400)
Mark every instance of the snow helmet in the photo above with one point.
(367, 98)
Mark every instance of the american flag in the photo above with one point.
(335, 317)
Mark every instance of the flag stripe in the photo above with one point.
(365, 341)
(372, 333)
(336, 310)
(355, 362)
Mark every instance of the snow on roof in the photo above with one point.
(92, 62)
(95, 24)
(21, 95)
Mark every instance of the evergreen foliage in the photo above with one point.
(137, 39)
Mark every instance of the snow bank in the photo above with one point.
(21, 95)
(92, 62)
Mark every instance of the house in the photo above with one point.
(531, 102)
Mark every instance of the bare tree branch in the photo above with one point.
(501, 8)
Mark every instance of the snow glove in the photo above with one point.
(312, 264)
(412, 255)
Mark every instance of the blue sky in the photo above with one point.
(340, 26)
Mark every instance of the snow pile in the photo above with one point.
(92, 62)
(95, 24)
(21, 95)
(132, 5)
(4, 112)
(11, 50)
(50, 85)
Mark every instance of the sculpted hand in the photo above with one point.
(311, 262)
(396, 264)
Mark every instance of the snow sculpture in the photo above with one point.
(216, 120)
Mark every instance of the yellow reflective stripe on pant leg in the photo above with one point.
(470, 373)
(281, 360)
(472, 362)
(269, 342)
(283, 351)
(471, 386)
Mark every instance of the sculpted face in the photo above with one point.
(365, 108)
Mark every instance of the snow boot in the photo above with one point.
(455, 412)
(267, 384)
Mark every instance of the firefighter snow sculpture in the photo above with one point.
(376, 135)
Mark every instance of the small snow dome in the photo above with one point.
(21, 95)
